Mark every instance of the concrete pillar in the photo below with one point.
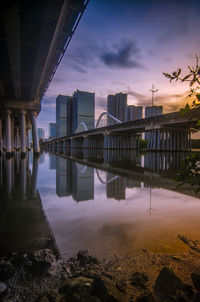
(17, 139)
(23, 130)
(12, 133)
(0, 136)
(28, 140)
(158, 145)
(154, 140)
(8, 131)
(36, 146)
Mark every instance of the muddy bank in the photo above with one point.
(42, 277)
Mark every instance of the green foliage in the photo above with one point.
(190, 172)
(143, 144)
(193, 78)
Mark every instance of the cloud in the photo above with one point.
(123, 57)
(170, 103)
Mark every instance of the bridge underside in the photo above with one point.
(34, 36)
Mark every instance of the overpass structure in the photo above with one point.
(167, 132)
(34, 36)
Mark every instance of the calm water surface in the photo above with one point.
(108, 202)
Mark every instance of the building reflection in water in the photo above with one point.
(23, 224)
(73, 179)
(76, 178)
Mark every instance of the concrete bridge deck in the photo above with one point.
(169, 132)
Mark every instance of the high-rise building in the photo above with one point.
(40, 133)
(134, 113)
(71, 111)
(52, 130)
(117, 106)
(153, 111)
(63, 115)
(83, 109)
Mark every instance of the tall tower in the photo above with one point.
(117, 106)
(83, 109)
(63, 115)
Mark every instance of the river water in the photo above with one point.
(110, 202)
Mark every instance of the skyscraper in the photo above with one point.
(134, 113)
(83, 107)
(40, 133)
(117, 106)
(52, 130)
(63, 115)
(153, 111)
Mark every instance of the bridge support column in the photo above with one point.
(23, 131)
(0, 136)
(86, 142)
(28, 143)
(36, 146)
(17, 139)
(8, 132)
(158, 145)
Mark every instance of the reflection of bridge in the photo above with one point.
(118, 170)
(34, 38)
(168, 132)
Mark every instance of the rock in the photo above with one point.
(197, 297)
(84, 258)
(167, 285)
(45, 256)
(193, 244)
(146, 298)
(3, 288)
(43, 299)
(196, 280)
(77, 285)
(6, 270)
(105, 289)
(139, 279)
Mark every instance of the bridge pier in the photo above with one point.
(23, 132)
(169, 140)
(36, 146)
(8, 132)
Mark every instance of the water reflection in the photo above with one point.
(129, 201)
(75, 171)
(150, 214)
(23, 223)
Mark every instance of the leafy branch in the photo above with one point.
(193, 78)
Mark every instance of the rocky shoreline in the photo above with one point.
(142, 277)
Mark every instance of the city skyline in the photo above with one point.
(127, 53)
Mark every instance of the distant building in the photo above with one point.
(117, 106)
(40, 133)
(83, 109)
(153, 111)
(134, 113)
(52, 130)
(72, 110)
(63, 115)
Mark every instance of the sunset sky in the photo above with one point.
(124, 46)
